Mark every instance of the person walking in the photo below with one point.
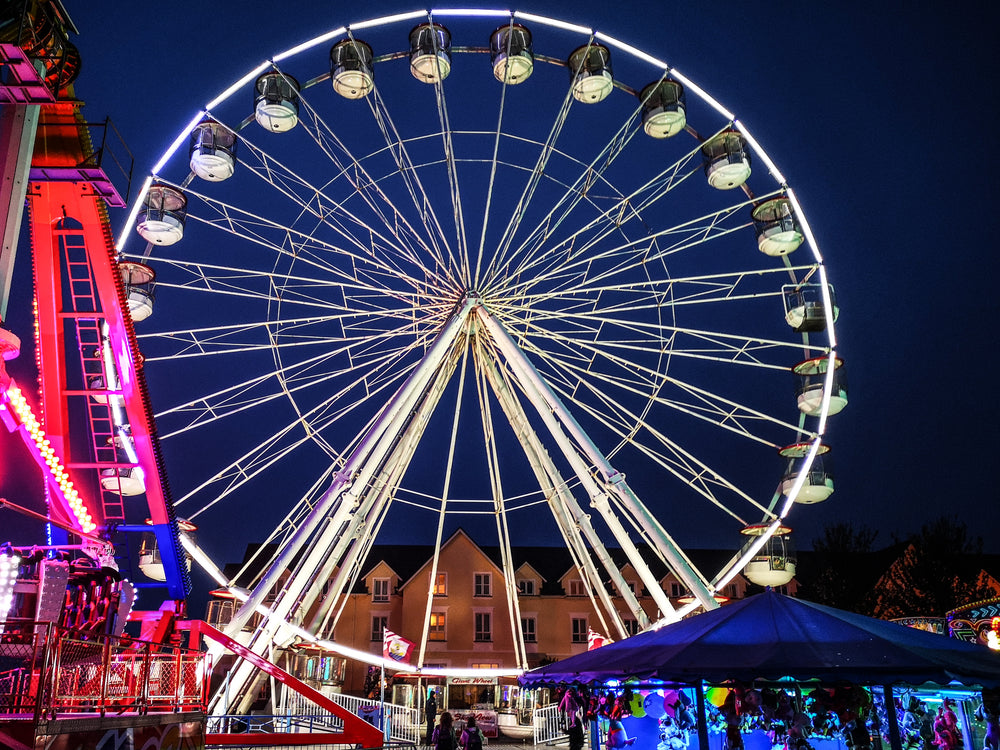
(472, 738)
(430, 711)
(444, 734)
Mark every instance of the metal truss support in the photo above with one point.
(572, 522)
(582, 454)
(339, 507)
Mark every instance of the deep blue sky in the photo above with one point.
(880, 115)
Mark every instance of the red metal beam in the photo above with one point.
(356, 729)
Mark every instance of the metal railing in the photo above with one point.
(47, 670)
(403, 725)
(550, 725)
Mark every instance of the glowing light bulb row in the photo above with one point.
(9, 565)
(48, 459)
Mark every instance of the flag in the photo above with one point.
(596, 640)
(396, 647)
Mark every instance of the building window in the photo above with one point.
(485, 665)
(631, 625)
(441, 585)
(484, 631)
(380, 589)
(676, 590)
(574, 587)
(631, 586)
(733, 591)
(579, 630)
(526, 587)
(436, 631)
(529, 630)
(378, 627)
(483, 584)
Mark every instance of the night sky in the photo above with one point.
(879, 116)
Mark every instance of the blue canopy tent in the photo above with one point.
(772, 637)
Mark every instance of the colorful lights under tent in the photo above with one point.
(784, 717)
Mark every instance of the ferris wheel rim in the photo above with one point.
(346, 31)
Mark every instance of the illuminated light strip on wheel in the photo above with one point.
(20, 416)
(363, 656)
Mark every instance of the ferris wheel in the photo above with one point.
(475, 267)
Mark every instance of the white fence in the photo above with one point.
(550, 725)
(402, 724)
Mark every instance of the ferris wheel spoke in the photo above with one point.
(362, 372)
(580, 250)
(719, 288)
(242, 470)
(620, 210)
(411, 243)
(494, 163)
(270, 450)
(454, 188)
(347, 327)
(293, 244)
(313, 201)
(534, 244)
(589, 264)
(422, 201)
(574, 367)
(680, 462)
(500, 258)
(261, 284)
(581, 328)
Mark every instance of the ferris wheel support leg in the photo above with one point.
(555, 415)
(565, 510)
(378, 495)
(359, 466)
(345, 477)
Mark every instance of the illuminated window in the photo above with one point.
(574, 587)
(579, 634)
(436, 632)
(485, 665)
(380, 589)
(483, 584)
(528, 628)
(526, 587)
(441, 585)
(378, 627)
(484, 631)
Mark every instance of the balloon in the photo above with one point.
(716, 696)
(636, 706)
(653, 704)
(669, 701)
